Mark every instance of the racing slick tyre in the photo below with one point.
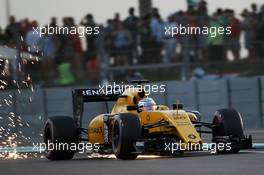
(126, 130)
(228, 127)
(60, 131)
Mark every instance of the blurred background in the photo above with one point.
(205, 73)
(131, 39)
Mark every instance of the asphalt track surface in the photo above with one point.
(246, 162)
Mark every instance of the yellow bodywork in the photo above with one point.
(96, 130)
(180, 121)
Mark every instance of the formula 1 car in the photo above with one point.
(136, 125)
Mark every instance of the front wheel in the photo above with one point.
(59, 134)
(126, 130)
(228, 128)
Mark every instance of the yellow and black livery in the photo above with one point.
(128, 131)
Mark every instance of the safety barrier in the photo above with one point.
(25, 111)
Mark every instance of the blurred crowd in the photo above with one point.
(136, 40)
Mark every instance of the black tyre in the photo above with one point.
(228, 122)
(126, 130)
(60, 131)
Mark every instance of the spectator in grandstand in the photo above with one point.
(202, 6)
(55, 37)
(131, 24)
(192, 4)
(223, 17)
(53, 22)
(170, 43)
(157, 33)
(66, 56)
(216, 43)
(254, 11)
(191, 41)
(33, 39)
(261, 13)
(122, 45)
(180, 20)
(146, 41)
(259, 37)
(91, 41)
(203, 20)
(24, 28)
(116, 21)
(77, 46)
(157, 27)
(12, 32)
(2, 37)
(48, 48)
(72, 49)
(248, 26)
(108, 38)
(66, 49)
(233, 43)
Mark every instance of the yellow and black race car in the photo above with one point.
(137, 125)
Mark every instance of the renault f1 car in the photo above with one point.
(136, 125)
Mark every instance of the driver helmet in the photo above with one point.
(147, 104)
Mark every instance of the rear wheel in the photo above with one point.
(126, 131)
(228, 123)
(59, 133)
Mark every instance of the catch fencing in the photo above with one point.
(25, 111)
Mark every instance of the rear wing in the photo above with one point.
(97, 95)
(81, 96)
